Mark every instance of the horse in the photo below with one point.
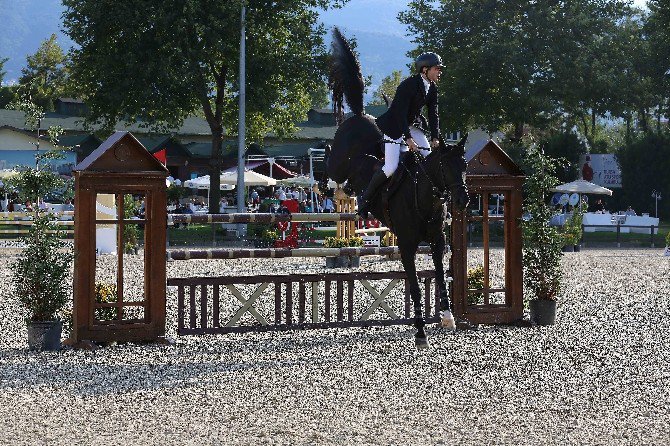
(414, 206)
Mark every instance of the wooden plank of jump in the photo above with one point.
(215, 306)
(180, 305)
(192, 306)
(315, 302)
(301, 302)
(203, 306)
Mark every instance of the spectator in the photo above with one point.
(328, 205)
(68, 206)
(281, 195)
(222, 205)
(255, 198)
(630, 211)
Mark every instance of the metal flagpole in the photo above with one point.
(241, 205)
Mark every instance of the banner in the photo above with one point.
(602, 169)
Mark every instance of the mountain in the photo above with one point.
(382, 43)
(25, 25)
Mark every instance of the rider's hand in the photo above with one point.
(435, 143)
(411, 144)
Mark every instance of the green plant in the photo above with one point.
(41, 270)
(131, 232)
(270, 235)
(476, 282)
(105, 293)
(542, 242)
(341, 242)
(572, 230)
(40, 274)
(667, 239)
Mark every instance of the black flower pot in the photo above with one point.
(44, 335)
(578, 248)
(343, 262)
(569, 248)
(543, 311)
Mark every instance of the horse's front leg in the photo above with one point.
(437, 249)
(408, 255)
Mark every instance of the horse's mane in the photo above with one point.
(345, 79)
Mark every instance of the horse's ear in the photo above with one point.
(464, 138)
(461, 143)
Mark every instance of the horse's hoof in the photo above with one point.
(421, 343)
(448, 320)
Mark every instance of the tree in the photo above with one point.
(44, 77)
(163, 61)
(657, 30)
(645, 164)
(7, 93)
(387, 88)
(505, 59)
(2, 69)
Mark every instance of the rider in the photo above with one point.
(397, 123)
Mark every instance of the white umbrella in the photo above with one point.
(582, 187)
(251, 178)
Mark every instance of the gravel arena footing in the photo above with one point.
(599, 376)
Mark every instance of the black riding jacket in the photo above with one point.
(409, 99)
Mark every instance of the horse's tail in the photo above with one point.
(345, 79)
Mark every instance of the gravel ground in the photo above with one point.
(596, 377)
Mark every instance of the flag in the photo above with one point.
(161, 156)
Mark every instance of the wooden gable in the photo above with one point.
(121, 152)
(490, 159)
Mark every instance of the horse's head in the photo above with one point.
(452, 167)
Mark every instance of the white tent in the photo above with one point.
(203, 183)
(582, 187)
(303, 181)
(251, 178)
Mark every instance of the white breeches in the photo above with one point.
(392, 149)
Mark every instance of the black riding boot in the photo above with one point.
(376, 182)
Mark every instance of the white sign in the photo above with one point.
(602, 169)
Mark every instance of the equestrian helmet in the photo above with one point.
(427, 60)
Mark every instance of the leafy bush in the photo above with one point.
(542, 242)
(40, 273)
(667, 239)
(476, 282)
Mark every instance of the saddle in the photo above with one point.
(408, 169)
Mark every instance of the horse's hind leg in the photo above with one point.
(408, 254)
(437, 249)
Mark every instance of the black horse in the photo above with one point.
(413, 201)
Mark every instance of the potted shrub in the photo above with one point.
(542, 242)
(343, 261)
(40, 277)
(572, 232)
(667, 244)
(41, 271)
